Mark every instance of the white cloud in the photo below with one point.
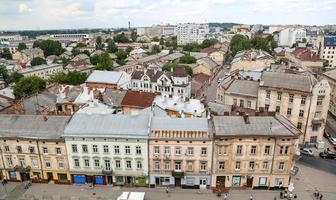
(24, 8)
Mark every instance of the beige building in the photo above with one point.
(180, 151)
(250, 60)
(217, 55)
(301, 98)
(27, 55)
(206, 66)
(32, 148)
(305, 58)
(253, 151)
(330, 76)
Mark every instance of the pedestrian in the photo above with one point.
(295, 196)
(225, 196)
(275, 198)
(281, 194)
(251, 197)
(318, 194)
(321, 196)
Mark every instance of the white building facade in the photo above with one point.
(289, 36)
(328, 50)
(191, 32)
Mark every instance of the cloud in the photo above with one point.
(24, 8)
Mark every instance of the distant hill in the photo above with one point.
(222, 25)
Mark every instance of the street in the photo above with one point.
(211, 90)
(326, 165)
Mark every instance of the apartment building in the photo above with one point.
(180, 152)
(328, 50)
(173, 83)
(108, 79)
(11, 37)
(305, 58)
(250, 60)
(32, 148)
(191, 32)
(289, 36)
(330, 76)
(43, 71)
(301, 98)
(253, 151)
(108, 149)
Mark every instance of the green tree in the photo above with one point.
(258, 42)
(325, 63)
(187, 59)
(14, 77)
(105, 62)
(75, 51)
(28, 86)
(155, 49)
(162, 42)
(238, 43)
(129, 49)
(208, 43)
(169, 66)
(6, 54)
(99, 42)
(37, 61)
(49, 47)
(121, 56)
(4, 73)
(22, 46)
(65, 62)
(71, 78)
(134, 36)
(193, 47)
(155, 39)
(112, 47)
(120, 38)
(188, 70)
(80, 45)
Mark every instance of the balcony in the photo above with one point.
(107, 172)
(317, 121)
(22, 168)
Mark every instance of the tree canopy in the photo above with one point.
(102, 61)
(71, 78)
(49, 47)
(155, 49)
(9, 78)
(28, 86)
(193, 47)
(99, 42)
(187, 59)
(22, 46)
(240, 42)
(120, 38)
(208, 43)
(121, 56)
(134, 36)
(169, 66)
(111, 47)
(37, 61)
(5, 53)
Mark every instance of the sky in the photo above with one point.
(72, 14)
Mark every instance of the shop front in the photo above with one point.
(196, 181)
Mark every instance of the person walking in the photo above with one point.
(281, 194)
(225, 196)
(321, 196)
(251, 197)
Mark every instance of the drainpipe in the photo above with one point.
(39, 155)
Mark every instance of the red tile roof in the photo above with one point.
(209, 50)
(202, 78)
(305, 54)
(137, 99)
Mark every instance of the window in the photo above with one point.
(289, 111)
(299, 125)
(251, 165)
(139, 164)
(116, 149)
(19, 149)
(239, 149)
(241, 103)
(190, 150)
(234, 102)
(291, 98)
(268, 94)
(167, 150)
(107, 165)
(167, 166)
(34, 162)
(317, 115)
(221, 165)
(105, 148)
(84, 148)
(279, 96)
(76, 162)
(117, 164)
(95, 148)
(9, 161)
(313, 139)
(156, 150)
(60, 164)
(58, 151)
(204, 151)
(178, 150)
(237, 165)
(281, 165)
(267, 150)
(316, 127)
(138, 150)
(22, 162)
(96, 163)
(45, 150)
(74, 148)
(203, 166)
(190, 166)
(277, 109)
(177, 166)
(265, 165)
(266, 107)
(301, 113)
(7, 149)
(128, 164)
(157, 165)
(127, 150)
(249, 104)
(86, 163)
(319, 100)
(47, 164)
(303, 100)
(286, 150)
(253, 150)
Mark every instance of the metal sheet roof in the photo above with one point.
(180, 124)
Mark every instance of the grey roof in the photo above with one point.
(198, 55)
(107, 125)
(244, 88)
(32, 126)
(298, 82)
(180, 124)
(210, 62)
(113, 97)
(111, 77)
(218, 108)
(46, 99)
(258, 126)
(173, 56)
(331, 74)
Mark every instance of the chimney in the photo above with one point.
(246, 119)
(129, 26)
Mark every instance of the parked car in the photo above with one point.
(219, 80)
(332, 141)
(307, 152)
(329, 155)
(326, 135)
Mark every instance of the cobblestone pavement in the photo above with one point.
(305, 183)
